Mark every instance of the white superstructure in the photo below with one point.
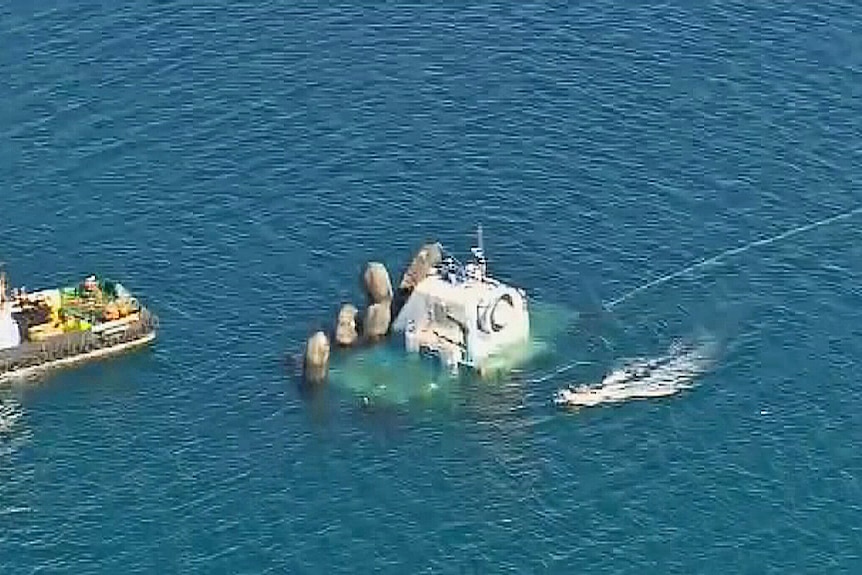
(462, 314)
(9, 333)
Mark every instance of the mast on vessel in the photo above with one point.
(479, 253)
(3, 297)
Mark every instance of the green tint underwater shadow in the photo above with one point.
(388, 374)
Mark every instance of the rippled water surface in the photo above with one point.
(237, 164)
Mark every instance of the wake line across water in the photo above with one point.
(716, 259)
(721, 257)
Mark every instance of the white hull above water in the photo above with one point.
(640, 379)
(463, 315)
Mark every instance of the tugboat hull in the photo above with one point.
(63, 327)
(40, 366)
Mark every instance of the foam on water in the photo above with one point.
(9, 414)
(12, 432)
(644, 378)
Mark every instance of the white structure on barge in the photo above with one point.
(463, 315)
(9, 334)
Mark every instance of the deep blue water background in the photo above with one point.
(237, 164)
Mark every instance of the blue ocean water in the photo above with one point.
(237, 164)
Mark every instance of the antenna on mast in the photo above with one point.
(479, 252)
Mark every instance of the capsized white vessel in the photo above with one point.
(463, 315)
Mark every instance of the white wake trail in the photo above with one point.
(644, 378)
(713, 260)
(721, 257)
(12, 434)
